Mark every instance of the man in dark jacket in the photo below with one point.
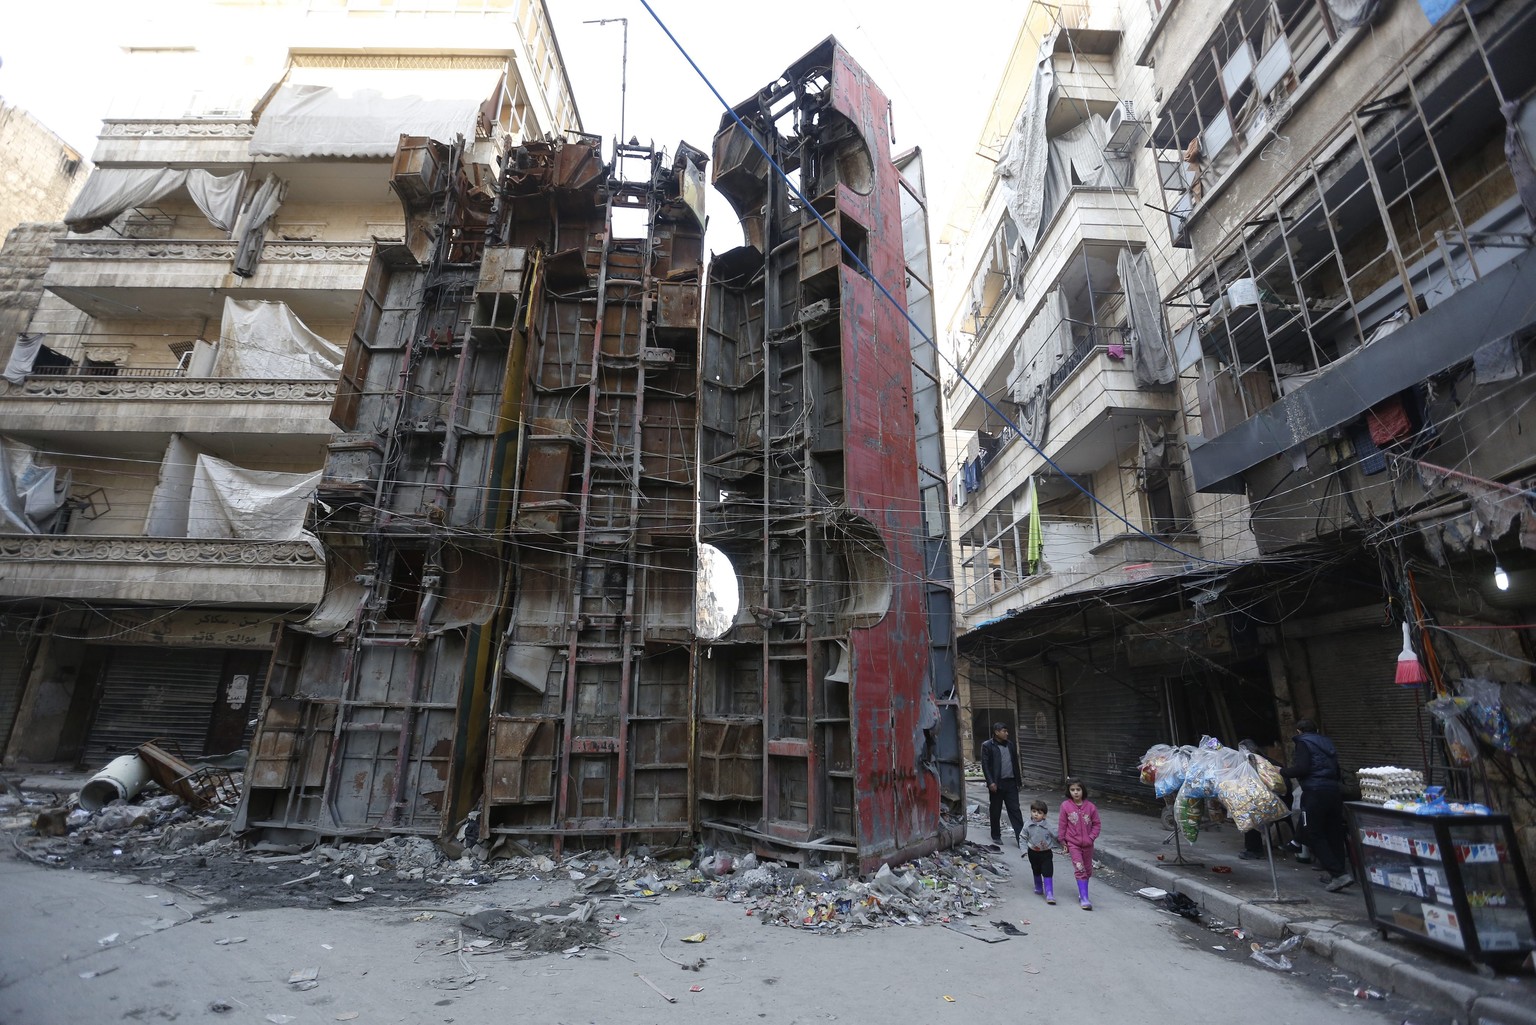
(1315, 766)
(1000, 765)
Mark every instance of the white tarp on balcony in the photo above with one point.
(267, 341)
(111, 190)
(1151, 359)
(362, 112)
(30, 494)
(251, 505)
(23, 357)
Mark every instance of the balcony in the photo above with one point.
(1096, 407)
(212, 143)
(1077, 254)
(192, 571)
(135, 410)
(174, 278)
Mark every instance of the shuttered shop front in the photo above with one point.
(1039, 740)
(1370, 719)
(1111, 720)
(14, 642)
(174, 695)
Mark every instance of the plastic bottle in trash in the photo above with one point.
(1369, 994)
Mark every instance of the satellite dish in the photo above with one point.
(717, 595)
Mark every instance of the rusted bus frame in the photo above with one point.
(1398, 109)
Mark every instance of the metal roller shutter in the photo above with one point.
(1370, 720)
(154, 692)
(1039, 741)
(1111, 721)
(15, 639)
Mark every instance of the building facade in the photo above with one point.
(166, 414)
(41, 172)
(1334, 201)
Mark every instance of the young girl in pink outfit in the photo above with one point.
(1078, 828)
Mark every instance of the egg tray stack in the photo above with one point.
(1385, 783)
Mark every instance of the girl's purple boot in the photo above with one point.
(1050, 890)
(1082, 895)
(1037, 885)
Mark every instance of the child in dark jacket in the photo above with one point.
(1038, 841)
(1078, 827)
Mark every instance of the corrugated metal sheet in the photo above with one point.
(1370, 720)
(150, 693)
(15, 640)
(1039, 739)
(1112, 718)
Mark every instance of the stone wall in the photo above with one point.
(23, 259)
(40, 174)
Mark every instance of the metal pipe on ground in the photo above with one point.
(123, 777)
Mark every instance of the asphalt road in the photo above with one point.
(82, 947)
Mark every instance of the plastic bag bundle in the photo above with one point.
(1269, 774)
(1170, 777)
(1520, 709)
(1186, 812)
(1152, 762)
(1249, 801)
(1458, 739)
(1485, 711)
(1208, 743)
(1201, 777)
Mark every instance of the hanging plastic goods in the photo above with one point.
(1170, 777)
(1485, 711)
(1458, 738)
(1153, 761)
(1251, 804)
(1520, 707)
(1186, 812)
(1209, 743)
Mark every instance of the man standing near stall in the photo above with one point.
(1315, 766)
(1000, 765)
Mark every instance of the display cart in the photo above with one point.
(1454, 882)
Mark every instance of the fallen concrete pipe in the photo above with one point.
(123, 777)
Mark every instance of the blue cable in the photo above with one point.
(806, 205)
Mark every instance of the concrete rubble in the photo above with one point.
(161, 836)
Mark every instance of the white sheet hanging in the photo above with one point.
(30, 494)
(267, 340)
(23, 357)
(253, 505)
(111, 190)
(362, 112)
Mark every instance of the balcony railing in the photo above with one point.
(1089, 337)
(164, 383)
(134, 249)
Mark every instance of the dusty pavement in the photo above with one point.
(91, 947)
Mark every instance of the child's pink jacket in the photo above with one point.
(1078, 825)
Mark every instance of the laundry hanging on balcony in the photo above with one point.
(1151, 359)
(23, 357)
(362, 112)
(31, 495)
(230, 501)
(110, 191)
(266, 340)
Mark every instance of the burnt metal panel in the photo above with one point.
(1497, 306)
(811, 486)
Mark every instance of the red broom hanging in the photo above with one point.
(1410, 672)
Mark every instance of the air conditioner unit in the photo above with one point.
(1124, 129)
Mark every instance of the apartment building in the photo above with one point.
(166, 415)
(1334, 206)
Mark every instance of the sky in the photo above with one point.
(939, 64)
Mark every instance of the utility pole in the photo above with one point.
(623, 69)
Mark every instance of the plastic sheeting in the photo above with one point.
(23, 357)
(30, 494)
(362, 112)
(111, 190)
(1151, 360)
(251, 226)
(230, 501)
(1025, 153)
(267, 341)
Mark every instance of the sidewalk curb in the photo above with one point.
(1483, 1002)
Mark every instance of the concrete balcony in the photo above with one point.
(1079, 567)
(162, 570)
(211, 143)
(169, 279)
(1089, 227)
(1095, 412)
(137, 414)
